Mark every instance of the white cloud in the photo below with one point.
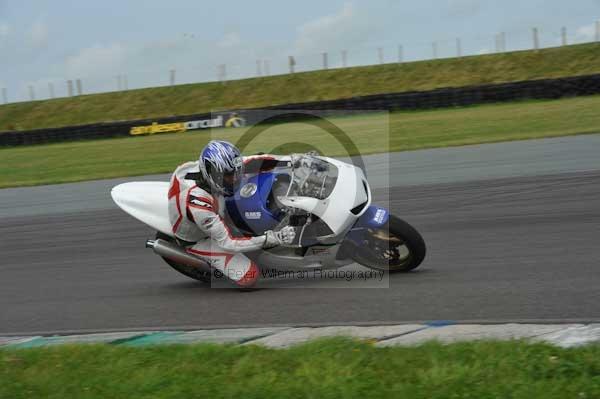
(38, 34)
(464, 7)
(333, 32)
(586, 33)
(4, 30)
(4, 33)
(145, 65)
(230, 40)
(41, 87)
(44, 81)
(96, 60)
(484, 51)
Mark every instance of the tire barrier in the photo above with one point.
(416, 100)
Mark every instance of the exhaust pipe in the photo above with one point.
(177, 254)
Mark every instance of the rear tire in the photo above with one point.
(395, 247)
(186, 270)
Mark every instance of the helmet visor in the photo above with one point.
(228, 181)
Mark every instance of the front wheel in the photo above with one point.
(395, 247)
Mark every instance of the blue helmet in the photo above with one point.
(221, 166)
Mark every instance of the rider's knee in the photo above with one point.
(250, 277)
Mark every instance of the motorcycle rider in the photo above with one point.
(196, 212)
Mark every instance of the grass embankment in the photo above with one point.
(77, 161)
(335, 368)
(301, 87)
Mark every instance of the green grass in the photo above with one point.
(333, 368)
(86, 160)
(300, 87)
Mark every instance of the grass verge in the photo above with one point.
(301, 87)
(400, 131)
(332, 368)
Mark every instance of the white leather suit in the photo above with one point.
(198, 217)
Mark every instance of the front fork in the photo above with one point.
(374, 218)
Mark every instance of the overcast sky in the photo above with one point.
(45, 41)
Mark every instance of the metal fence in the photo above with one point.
(245, 66)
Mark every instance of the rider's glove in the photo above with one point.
(281, 237)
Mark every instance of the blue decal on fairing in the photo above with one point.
(252, 213)
(373, 218)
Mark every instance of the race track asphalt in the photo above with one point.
(513, 233)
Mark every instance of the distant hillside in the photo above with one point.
(308, 86)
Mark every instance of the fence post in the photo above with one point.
(70, 88)
(125, 82)
(325, 61)
(458, 47)
(434, 47)
(222, 72)
(172, 77)
(598, 31)
(4, 96)
(79, 87)
(51, 89)
(266, 68)
(258, 68)
(563, 34)
(536, 39)
(31, 93)
(119, 83)
(500, 42)
(344, 58)
(400, 54)
(292, 63)
(380, 54)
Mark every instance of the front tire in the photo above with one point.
(395, 247)
(186, 270)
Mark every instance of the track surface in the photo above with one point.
(512, 232)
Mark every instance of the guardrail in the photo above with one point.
(438, 98)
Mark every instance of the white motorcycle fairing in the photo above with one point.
(146, 201)
(349, 192)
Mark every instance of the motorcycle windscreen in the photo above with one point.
(329, 189)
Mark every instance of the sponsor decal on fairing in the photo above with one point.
(253, 215)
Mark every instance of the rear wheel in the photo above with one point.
(395, 247)
(186, 270)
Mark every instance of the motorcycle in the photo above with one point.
(327, 201)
